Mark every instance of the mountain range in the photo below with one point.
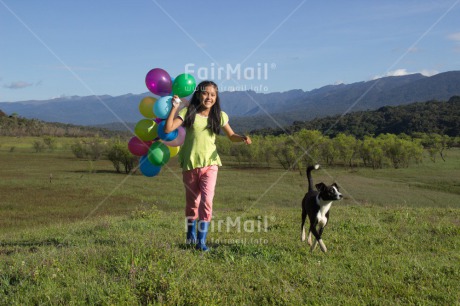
(250, 110)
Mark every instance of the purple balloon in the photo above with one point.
(158, 82)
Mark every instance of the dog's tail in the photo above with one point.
(310, 181)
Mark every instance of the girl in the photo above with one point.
(198, 158)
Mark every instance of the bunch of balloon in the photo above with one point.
(151, 143)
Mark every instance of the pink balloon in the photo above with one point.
(158, 82)
(138, 147)
(179, 140)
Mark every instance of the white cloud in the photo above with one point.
(18, 85)
(62, 96)
(397, 72)
(403, 71)
(454, 36)
(427, 72)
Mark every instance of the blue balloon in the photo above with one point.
(147, 168)
(166, 136)
(162, 107)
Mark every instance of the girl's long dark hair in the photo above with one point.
(196, 107)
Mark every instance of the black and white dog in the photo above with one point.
(316, 205)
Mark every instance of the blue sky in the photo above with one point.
(62, 48)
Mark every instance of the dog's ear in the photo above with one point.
(336, 186)
(321, 187)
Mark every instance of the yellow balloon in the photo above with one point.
(146, 107)
(173, 151)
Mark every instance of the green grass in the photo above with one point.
(376, 256)
(92, 236)
(25, 143)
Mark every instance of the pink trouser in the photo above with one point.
(199, 192)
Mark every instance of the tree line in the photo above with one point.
(16, 126)
(420, 117)
(291, 152)
(307, 147)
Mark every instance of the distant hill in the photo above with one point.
(342, 99)
(17, 126)
(424, 117)
(89, 110)
(250, 110)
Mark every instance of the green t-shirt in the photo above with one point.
(199, 148)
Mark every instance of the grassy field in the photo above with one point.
(91, 236)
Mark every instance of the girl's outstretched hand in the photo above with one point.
(247, 140)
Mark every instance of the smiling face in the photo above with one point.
(208, 97)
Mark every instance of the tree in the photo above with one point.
(437, 144)
(284, 152)
(120, 156)
(266, 148)
(327, 150)
(399, 151)
(38, 146)
(223, 145)
(346, 147)
(416, 151)
(371, 151)
(49, 142)
(93, 148)
(308, 146)
(96, 148)
(240, 153)
(78, 149)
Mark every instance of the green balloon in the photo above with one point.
(184, 85)
(146, 129)
(158, 154)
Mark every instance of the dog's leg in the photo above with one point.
(309, 238)
(317, 239)
(322, 245)
(302, 229)
(322, 226)
(313, 246)
(316, 234)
